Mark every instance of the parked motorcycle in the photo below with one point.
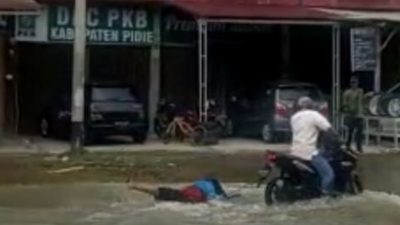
(220, 119)
(165, 114)
(289, 179)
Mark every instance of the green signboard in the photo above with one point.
(104, 25)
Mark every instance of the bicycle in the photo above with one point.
(181, 129)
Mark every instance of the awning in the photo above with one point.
(18, 6)
(357, 15)
(249, 10)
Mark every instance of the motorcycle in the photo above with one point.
(289, 179)
(220, 119)
(165, 114)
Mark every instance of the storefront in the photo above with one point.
(242, 47)
(122, 48)
(8, 10)
(186, 51)
(326, 47)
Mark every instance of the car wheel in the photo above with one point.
(267, 133)
(139, 138)
(44, 127)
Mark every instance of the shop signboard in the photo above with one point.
(364, 48)
(104, 25)
(31, 28)
(130, 26)
(181, 29)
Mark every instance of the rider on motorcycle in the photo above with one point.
(306, 125)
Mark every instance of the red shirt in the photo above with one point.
(192, 194)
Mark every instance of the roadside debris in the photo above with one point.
(66, 170)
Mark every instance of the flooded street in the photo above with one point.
(103, 204)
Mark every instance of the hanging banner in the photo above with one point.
(364, 48)
(104, 25)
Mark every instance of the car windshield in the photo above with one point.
(293, 93)
(112, 94)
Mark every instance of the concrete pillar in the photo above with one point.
(377, 72)
(155, 72)
(2, 83)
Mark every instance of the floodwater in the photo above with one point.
(113, 204)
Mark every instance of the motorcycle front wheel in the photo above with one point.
(278, 191)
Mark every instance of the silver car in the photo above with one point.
(269, 116)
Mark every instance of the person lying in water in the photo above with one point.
(200, 191)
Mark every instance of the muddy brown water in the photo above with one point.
(113, 204)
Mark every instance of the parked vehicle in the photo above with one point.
(289, 179)
(384, 103)
(269, 116)
(219, 120)
(166, 112)
(110, 109)
(388, 103)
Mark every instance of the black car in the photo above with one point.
(268, 115)
(110, 109)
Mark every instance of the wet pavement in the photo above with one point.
(113, 204)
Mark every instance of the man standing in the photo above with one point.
(352, 109)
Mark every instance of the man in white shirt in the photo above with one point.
(306, 125)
